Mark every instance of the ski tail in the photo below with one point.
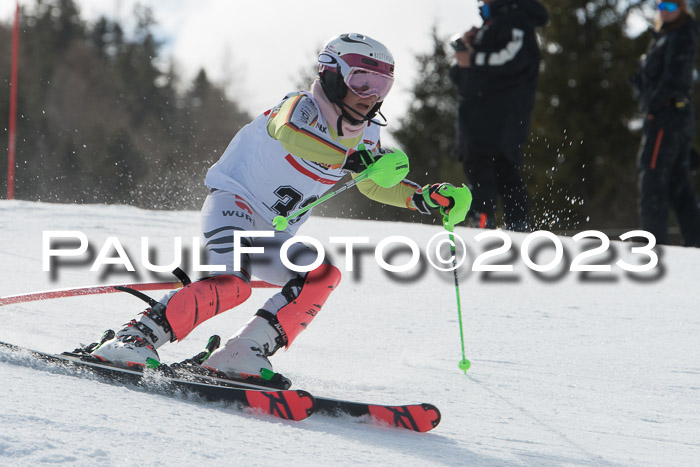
(284, 404)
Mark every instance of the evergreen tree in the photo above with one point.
(581, 159)
(205, 124)
(100, 119)
(428, 131)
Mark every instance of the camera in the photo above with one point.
(457, 43)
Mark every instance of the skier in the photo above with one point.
(283, 160)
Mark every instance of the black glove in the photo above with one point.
(429, 198)
(358, 161)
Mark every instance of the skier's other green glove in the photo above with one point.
(453, 202)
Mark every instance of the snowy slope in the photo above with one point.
(567, 368)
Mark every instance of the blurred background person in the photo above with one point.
(663, 86)
(496, 72)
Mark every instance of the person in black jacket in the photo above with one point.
(496, 72)
(664, 86)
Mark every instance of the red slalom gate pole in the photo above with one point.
(101, 289)
(12, 135)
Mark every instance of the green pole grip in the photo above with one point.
(463, 202)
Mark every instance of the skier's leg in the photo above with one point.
(281, 319)
(179, 312)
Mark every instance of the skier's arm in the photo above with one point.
(293, 125)
(399, 195)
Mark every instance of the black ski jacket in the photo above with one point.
(497, 92)
(664, 82)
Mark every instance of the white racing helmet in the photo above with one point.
(357, 63)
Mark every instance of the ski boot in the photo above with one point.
(244, 356)
(136, 343)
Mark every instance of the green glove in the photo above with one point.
(459, 200)
(389, 169)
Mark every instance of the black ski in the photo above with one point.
(416, 417)
(285, 404)
(213, 386)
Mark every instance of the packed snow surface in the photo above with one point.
(568, 368)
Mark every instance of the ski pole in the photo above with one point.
(280, 222)
(386, 172)
(463, 201)
(464, 364)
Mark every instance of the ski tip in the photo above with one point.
(418, 417)
(438, 416)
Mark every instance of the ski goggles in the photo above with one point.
(362, 81)
(667, 6)
(368, 83)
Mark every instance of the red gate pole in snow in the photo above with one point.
(12, 136)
